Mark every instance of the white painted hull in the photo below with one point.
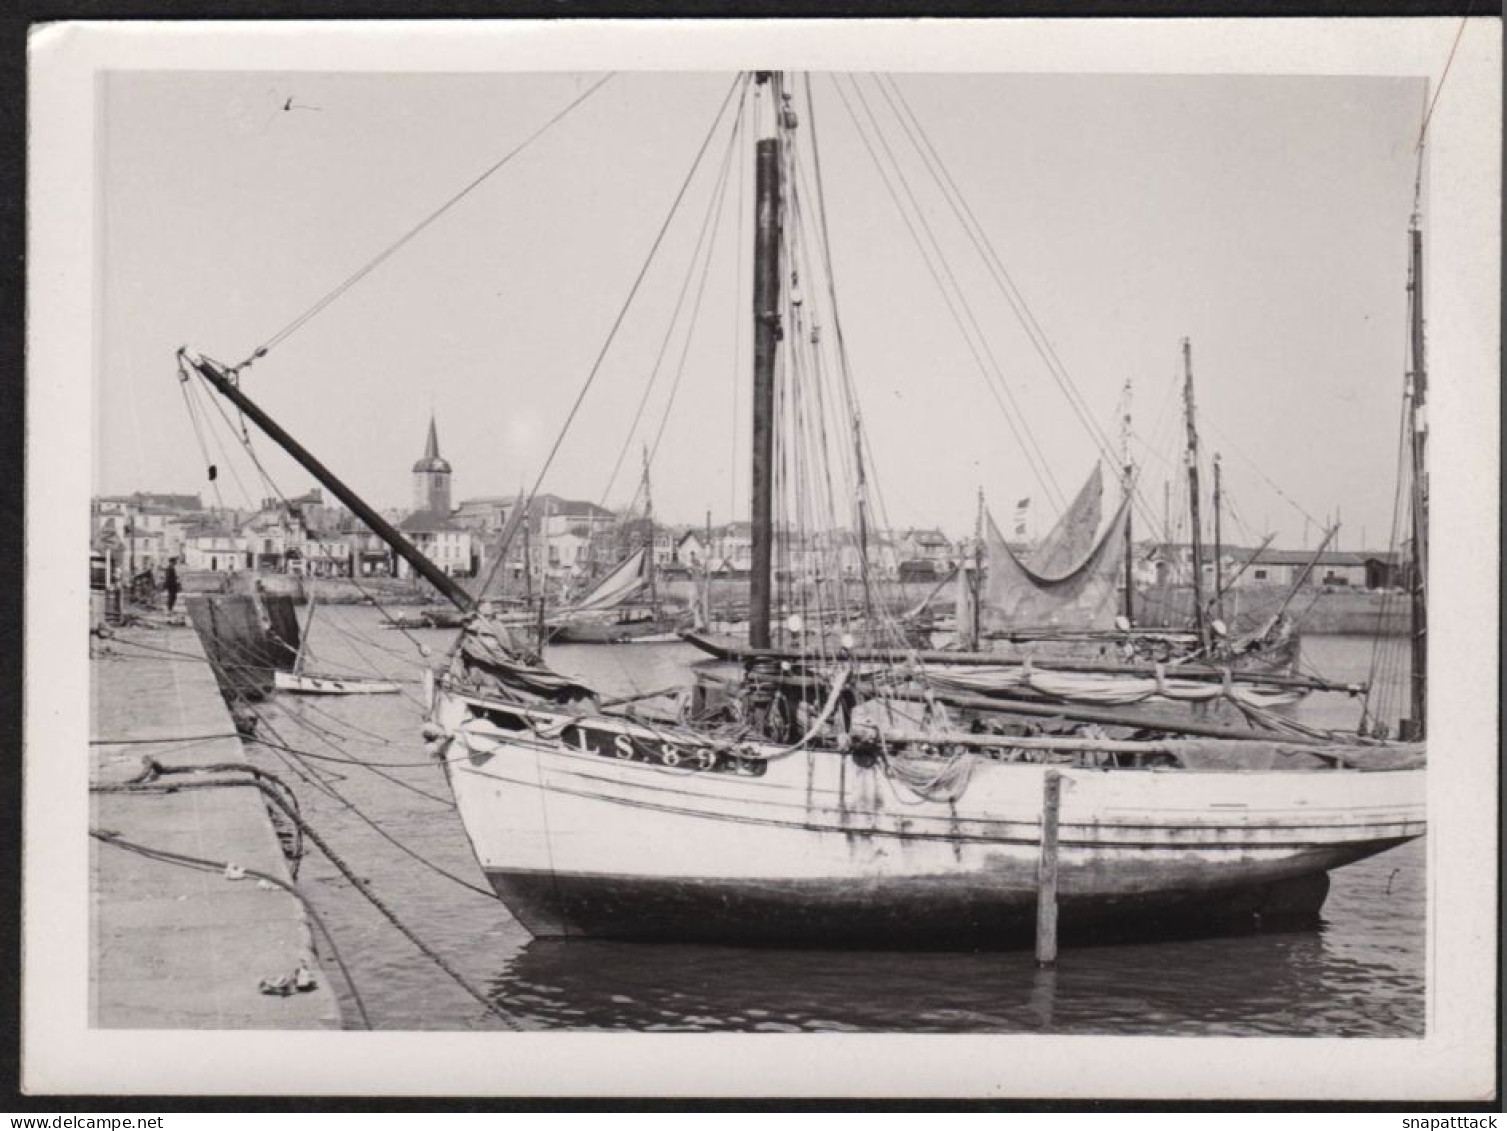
(332, 685)
(816, 847)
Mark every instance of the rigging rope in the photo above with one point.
(200, 863)
(709, 222)
(990, 256)
(720, 196)
(988, 365)
(932, 161)
(1438, 90)
(591, 376)
(382, 257)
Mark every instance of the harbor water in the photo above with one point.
(1360, 973)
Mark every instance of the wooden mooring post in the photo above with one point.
(1046, 872)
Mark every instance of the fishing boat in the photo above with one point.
(822, 794)
(624, 606)
(613, 612)
(300, 681)
(305, 683)
(441, 616)
(1073, 596)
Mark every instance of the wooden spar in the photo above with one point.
(1129, 551)
(706, 573)
(766, 303)
(937, 588)
(1218, 601)
(1201, 672)
(448, 587)
(303, 635)
(649, 538)
(1046, 873)
(977, 581)
(528, 562)
(1302, 577)
(1130, 510)
(1069, 713)
(1245, 565)
(1199, 619)
(1417, 726)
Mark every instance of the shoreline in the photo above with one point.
(1332, 611)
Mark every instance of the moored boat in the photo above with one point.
(304, 683)
(590, 825)
(831, 796)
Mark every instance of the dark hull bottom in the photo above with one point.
(613, 633)
(837, 914)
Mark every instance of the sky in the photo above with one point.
(1263, 218)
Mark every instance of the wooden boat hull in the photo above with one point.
(332, 685)
(652, 630)
(585, 829)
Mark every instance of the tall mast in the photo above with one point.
(1192, 459)
(528, 561)
(1129, 486)
(766, 311)
(706, 572)
(855, 415)
(1417, 726)
(544, 579)
(1218, 543)
(649, 536)
(1303, 574)
(978, 572)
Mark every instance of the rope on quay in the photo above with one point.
(168, 741)
(359, 761)
(155, 769)
(164, 856)
(145, 784)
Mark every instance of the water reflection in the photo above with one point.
(1292, 984)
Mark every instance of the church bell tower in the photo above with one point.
(431, 477)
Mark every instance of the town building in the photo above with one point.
(1157, 563)
(928, 545)
(559, 538)
(732, 548)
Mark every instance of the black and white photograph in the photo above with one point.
(973, 534)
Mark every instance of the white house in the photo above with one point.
(216, 549)
(444, 542)
(928, 545)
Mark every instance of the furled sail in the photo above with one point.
(1016, 595)
(625, 581)
(1071, 540)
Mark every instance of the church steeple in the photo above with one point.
(432, 448)
(431, 476)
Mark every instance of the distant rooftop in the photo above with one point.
(428, 522)
(157, 501)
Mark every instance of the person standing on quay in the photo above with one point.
(170, 581)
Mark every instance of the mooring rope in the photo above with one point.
(382, 257)
(361, 885)
(221, 866)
